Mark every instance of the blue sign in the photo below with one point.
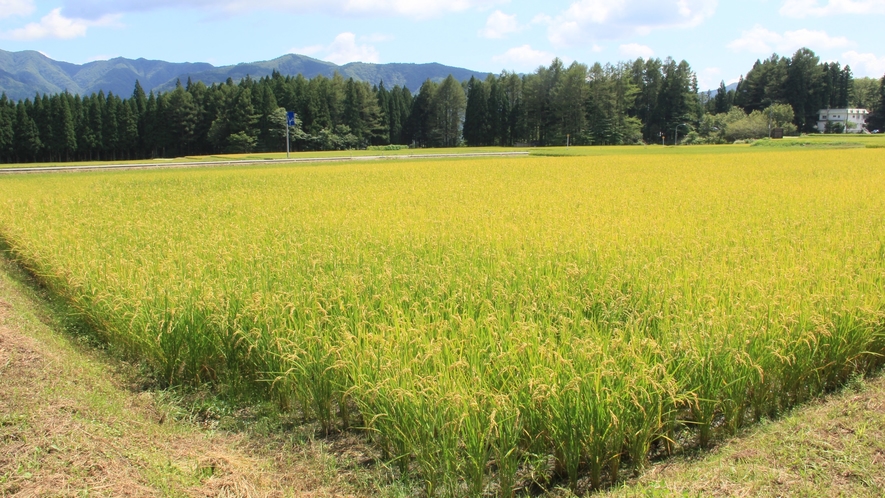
(290, 118)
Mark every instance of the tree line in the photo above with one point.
(651, 101)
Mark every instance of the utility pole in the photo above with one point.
(769, 122)
(290, 121)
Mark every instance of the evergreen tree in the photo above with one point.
(127, 131)
(109, 127)
(876, 121)
(476, 116)
(405, 108)
(677, 103)
(804, 89)
(567, 99)
(420, 126)
(648, 78)
(449, 102)
(360, 112)
(182, 115)
(7, 129)
(721, 104)
(514, 126)
(151, 127)
(206, 112)
(27, 137)
(64, 139)
(865, 93)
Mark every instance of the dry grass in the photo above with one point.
(70, 426)
(832, 447)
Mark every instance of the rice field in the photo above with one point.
(487, 322)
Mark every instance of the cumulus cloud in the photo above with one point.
(310, 50)
(343, 49)
(709, 78)
(56, 25)
(763, 41)
(422, 9)
(524, 58)
(588, 20)
(500, 25)
(9, 8)
(635, 50)
(813, 8)
(867, 64)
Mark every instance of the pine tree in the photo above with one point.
(405, 108)
(127, 131)
(449, 102)
(385, 117)
(109, 127)
(476, 116)
(27, 137)
(420, 127)
(804, 89)
(568, 99)
(93, 128)
(182, 122)
(721, 101)
(64, 138)
(7, 130)
(876, 121)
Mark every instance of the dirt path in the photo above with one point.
(68, 427)
(245, 162)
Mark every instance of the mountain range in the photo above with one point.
(23, 74)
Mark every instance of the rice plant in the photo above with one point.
(476, 317)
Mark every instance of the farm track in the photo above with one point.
(204, 164)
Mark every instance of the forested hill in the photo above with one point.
(24, 74)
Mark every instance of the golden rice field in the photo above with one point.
(485, 320)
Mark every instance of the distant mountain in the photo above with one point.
(729, 88)
(22, 74)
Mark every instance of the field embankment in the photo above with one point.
(74, 422)
(495, 325)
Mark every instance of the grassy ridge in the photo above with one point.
(486, 311)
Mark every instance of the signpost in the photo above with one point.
(290, 121)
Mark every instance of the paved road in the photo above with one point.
(202, 164)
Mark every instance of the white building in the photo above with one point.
(852, 120)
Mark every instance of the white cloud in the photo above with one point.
(310, 50)
(343, 49)
(56, 25)
(371, 8)
(812, 8)
(763, 41)
(709, 78)
(862, 65)
(499, 25)
(635, 50)
(524, 58)
(588, 20)
(9, 8)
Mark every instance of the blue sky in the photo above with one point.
(720, 39)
